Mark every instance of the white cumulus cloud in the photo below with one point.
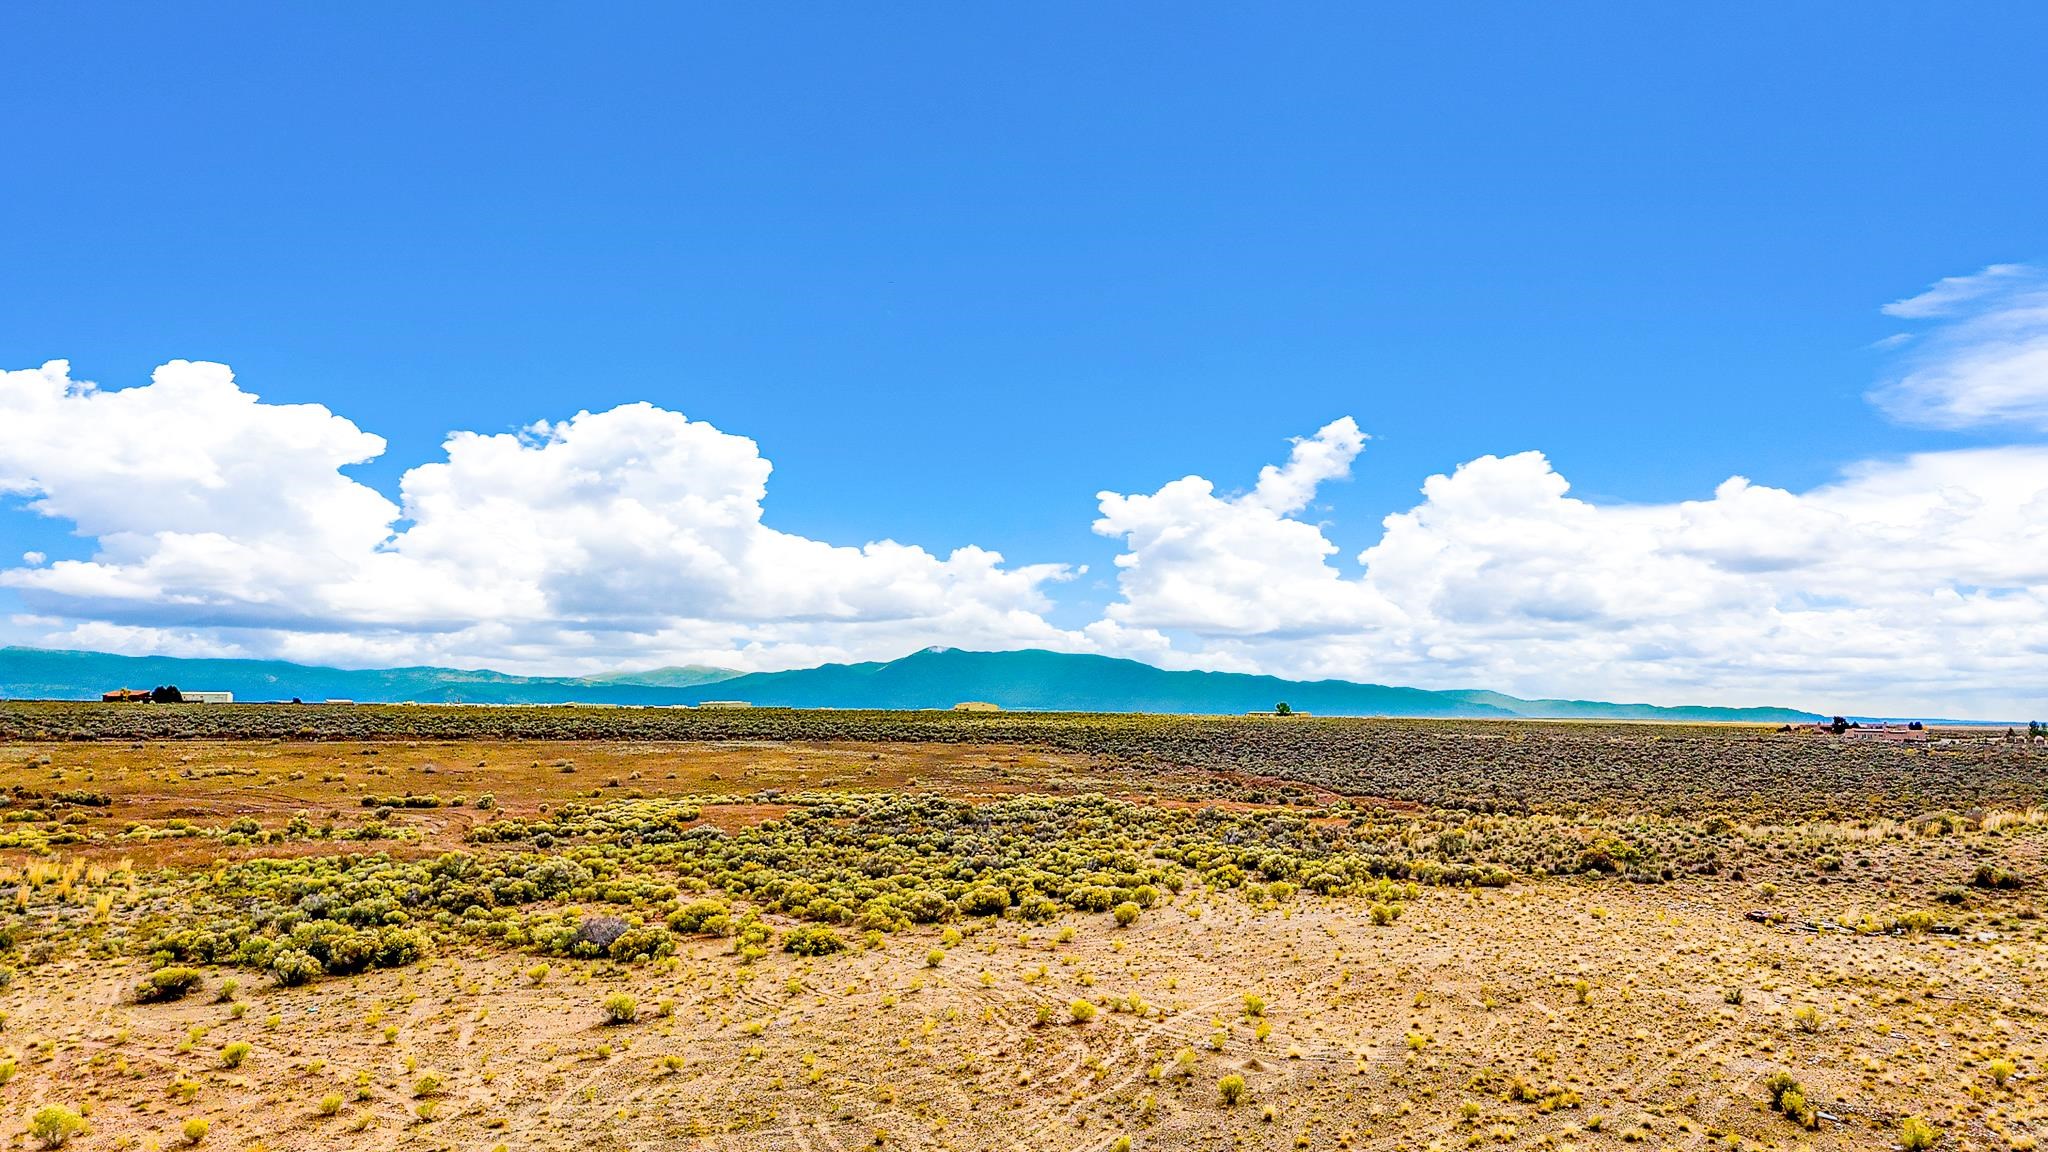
(1909, 585)
(1917, 585)
(224, 524)
(1237, 565)
(626, 535)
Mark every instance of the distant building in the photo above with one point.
(125, 696)
(1888, 734)
(724, 704)
(977, 706)
(338, 700)
(208, 697)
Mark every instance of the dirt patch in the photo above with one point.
(1558, 1013)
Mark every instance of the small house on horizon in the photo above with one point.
(164, 696)
(1889, 734)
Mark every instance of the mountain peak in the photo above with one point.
(931, 678)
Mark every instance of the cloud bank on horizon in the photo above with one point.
(224, 525)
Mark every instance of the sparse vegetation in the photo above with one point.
(1618, 769)
(168, 983)
(621, 1008)
(1788, 1098)
(53, 1125)
(1232, 1089)
(900, 923)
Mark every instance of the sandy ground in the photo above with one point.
(1564, 1014)
(1409, 1035)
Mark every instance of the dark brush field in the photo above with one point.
(389, 927)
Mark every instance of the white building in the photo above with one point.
(207, 697)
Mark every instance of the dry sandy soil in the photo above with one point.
(1562, 1013)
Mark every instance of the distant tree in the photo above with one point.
(166, 694)
(1838, 726)
(1283, 708)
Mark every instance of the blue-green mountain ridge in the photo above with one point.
(932, 678)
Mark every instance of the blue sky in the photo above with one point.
(956, 272)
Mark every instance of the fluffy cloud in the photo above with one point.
(1919, 584)
(1240, 565)
(1914, 585)
(1982, 360)
(225, 524)
(636, 536)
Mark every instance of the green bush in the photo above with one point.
(813, 941)
(702, 917)
(1232, 1088)
(53, 1124)
(171, 983)
(291, 968)
(642, 944)
(984, 901)
(1788, 1098)
(1038, 909)
(621, 1008)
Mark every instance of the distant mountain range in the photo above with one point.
(934, 678)
(46, 674)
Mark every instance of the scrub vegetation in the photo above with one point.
(543, 928)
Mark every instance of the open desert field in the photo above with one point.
(446, 928)
(1069, 577)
